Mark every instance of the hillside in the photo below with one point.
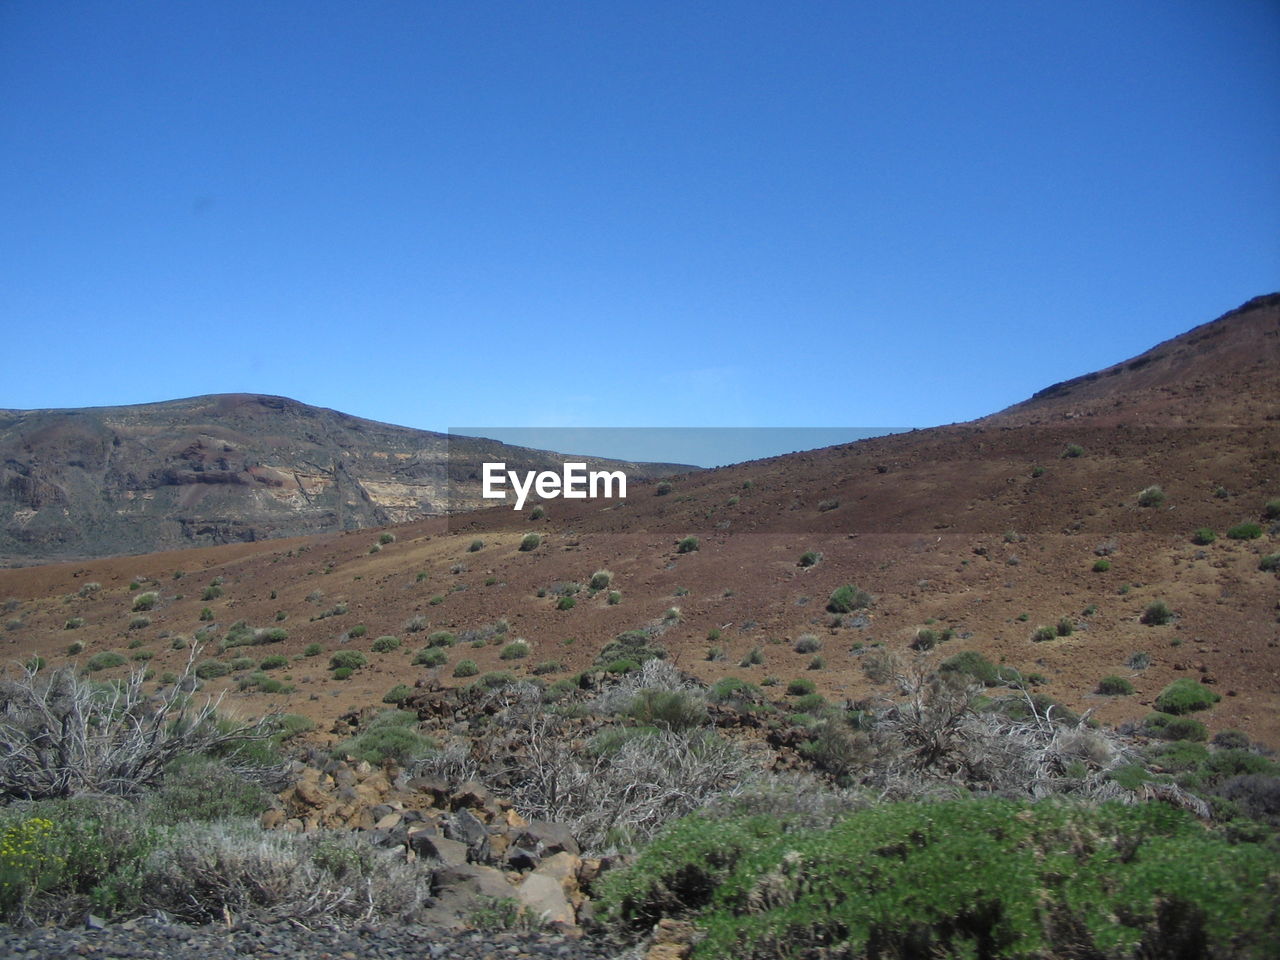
(979, 532)
(223, 469)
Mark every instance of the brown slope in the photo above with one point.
(218, 469)
(947, 528)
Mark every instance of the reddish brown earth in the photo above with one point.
(945, 527)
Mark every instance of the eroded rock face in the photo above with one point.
(225, 468)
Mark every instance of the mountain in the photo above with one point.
(226, 468)
(1038, 537)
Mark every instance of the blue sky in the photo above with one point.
(625, 214)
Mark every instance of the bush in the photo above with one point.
(476, 546)
(1152, 496)
(662, 489)
(537, 513)
(728, 689)
(465, 668)
(348, 659)
(847, 599)
(1203, 537)
(1066, 627)
(145, 601)
(389, 738)
(312, 650)
(974, 664)
(530, 541)
(203, 789)
(600, 580)
(211, 592)
(566, 603)
(139, 623)
(1070, 881)
(1042, 634)
(633, 646)
(687, 545)
(1168, 727)
(516, 650)
(386, 538)
(271, 635)
(799, 687)
(808, 643)
(810, 558)
(1114, 686)
(211, 669)
(358, 631)
(1101, 565)
(1184, 695)
(398, 694)
(105, 661)
(1157, 614)
(273, 662)
(430, 657)
(385, 644)
(75, 623)
(1072, 450)
(615, 597)
(1270, 562)
(343, 673)
(1245, 531)
(672, 709)
(753, 658)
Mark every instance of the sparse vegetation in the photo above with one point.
(385, 644)
(1152, 496)
(1203, 537)
(687, 545)
(530, 541)
(1114, 686)
(348, 659)
(810, 558)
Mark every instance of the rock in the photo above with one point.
(543, 897)
(518, 858)
(94, 922)
(546, 838)
(388, 821)
(434, 847)
(471, 878)
(470, 795)
(464, 827)
(515, 820)
(271, 819)
(563, 867)
(672, 940)
(307, 792)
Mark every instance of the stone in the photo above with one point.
(464, 827)
(434, 847)
(547, 837)
(543, 897)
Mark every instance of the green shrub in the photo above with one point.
(903, 880)
(238, 664)
(274, 662)
(398, 694)
(1066, 627)
(476, 546)
(633, 646)
(206, 614)
(386, 538)
(974, 664)
(1114, 686)
(1101, 565)
(674, 709)
(1041, 634)
(537, 513)
(1245, 531)
(1157, 614)
(465, 668)
(547, 666)
(566, 603)
(105, 661)
(145, 601)
(530, 541)
(75, 648)
(516, 650)
(389, 738)
(312, 650)
(348, 659)
(203, 789)
(1168, 727)
(753, 658)
(211, 592)
(662, 489)
(687, 545)
(385, 644)
(358, 631)
(430, 657)
(1072, 450)
(211, 669)
(1184, 695)
(1203, 537)
(1152, 496)
(621, 665)
(800, 686)
(615, 597)
(1272, 510)
(343, 673)
(810, 558)
(847, 599)
(1270, 562)
(75, 623)
(728, 689)
(271, 635)
(600, 580)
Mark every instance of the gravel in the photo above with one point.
(155, 940)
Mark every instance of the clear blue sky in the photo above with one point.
(625, 214)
